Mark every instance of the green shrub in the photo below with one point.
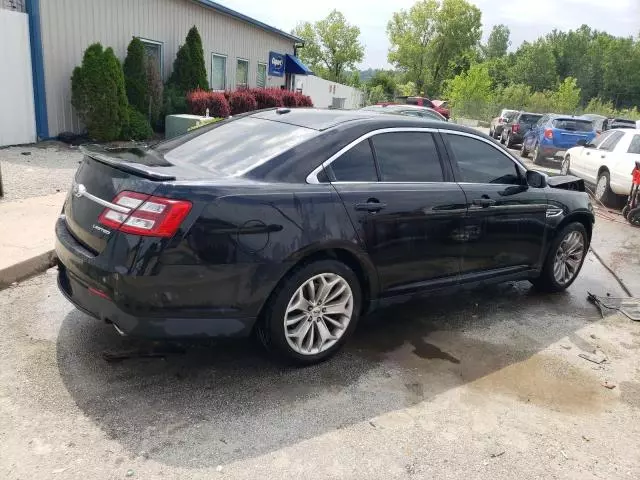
(189, 71)
(138, 127)
(135, 76)
(98, 93)
(154, 89)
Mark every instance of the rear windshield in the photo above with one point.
(236, 147)
(528, 118)
(623, 124)
(573, 125)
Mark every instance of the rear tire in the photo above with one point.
(502, 138)
(603, 191)
(537, 156)
(509, 141)
(566, 256)
(318, 338)
(524, 153)
(625, 211)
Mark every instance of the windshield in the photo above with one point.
(573, 125)
(236, 147)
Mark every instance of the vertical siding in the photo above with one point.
(70, 26)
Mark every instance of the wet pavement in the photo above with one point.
(221, 403)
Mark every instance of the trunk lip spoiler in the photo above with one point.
(125, 166)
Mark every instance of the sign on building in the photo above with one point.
(276, 64)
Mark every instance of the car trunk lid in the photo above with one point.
(102, 176)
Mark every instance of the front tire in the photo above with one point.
(312, 312)
(603, 191)
(509, 141)
(564, 260)
(633, 217)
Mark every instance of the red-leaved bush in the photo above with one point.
(242, 101)
(303, 100)
(218, 105)
(199, 100)
(265, 98)
(289, 99)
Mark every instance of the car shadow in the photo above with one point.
(217, 402)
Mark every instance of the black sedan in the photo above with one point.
(294, 223)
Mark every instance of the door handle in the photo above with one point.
(603, 156)
(370, 205)
(484, 202)
(587, 153)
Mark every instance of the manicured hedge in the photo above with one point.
(242, 101)
(199, 100)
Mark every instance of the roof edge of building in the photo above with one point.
(245, 18)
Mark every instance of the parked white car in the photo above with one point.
(606, 162)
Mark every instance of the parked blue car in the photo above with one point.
(554, 134)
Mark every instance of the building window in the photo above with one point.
(218, 72)
(261, 81)
(242, 73)
(153, 55)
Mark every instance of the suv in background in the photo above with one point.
(514, 131)
(497, 124)
(611, 123)
(554, 134)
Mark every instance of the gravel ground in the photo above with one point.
(482, 384)
(48, 168)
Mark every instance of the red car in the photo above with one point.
(439, 106)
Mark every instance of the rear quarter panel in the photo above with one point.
(242, 244)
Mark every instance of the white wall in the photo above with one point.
(17, 115)
(323, 91)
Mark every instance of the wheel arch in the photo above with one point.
(602, 169)
(585, 218)
(356, 260)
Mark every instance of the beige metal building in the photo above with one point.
(237, 48)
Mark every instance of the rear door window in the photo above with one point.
(407, 157)
(355, 165)
(612, 140)
(573, 125)
(480, 162)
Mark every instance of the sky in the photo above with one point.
(527, 19)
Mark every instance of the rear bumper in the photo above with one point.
(551, 150)
(97, 291)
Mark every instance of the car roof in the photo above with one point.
(320, 119)
(531, 113)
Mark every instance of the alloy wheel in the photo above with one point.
(568, 258)
(318, 314)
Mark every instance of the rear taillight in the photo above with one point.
(515, 128)
(548, 133)
(147, 215)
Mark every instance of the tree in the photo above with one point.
(353, 79)
(135, 76)
(430, 36)
(98, 93)
(498, 42)
(535, 66)
(471, 92)
(331, 46)
(189, 71)
(386, 81)
(567, 97)
(407, 89)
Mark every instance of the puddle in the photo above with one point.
(549, 382)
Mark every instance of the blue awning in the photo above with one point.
(294, 65)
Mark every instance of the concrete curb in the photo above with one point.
(27, 268)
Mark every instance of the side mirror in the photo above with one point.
(582, 142)
(536, 179)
